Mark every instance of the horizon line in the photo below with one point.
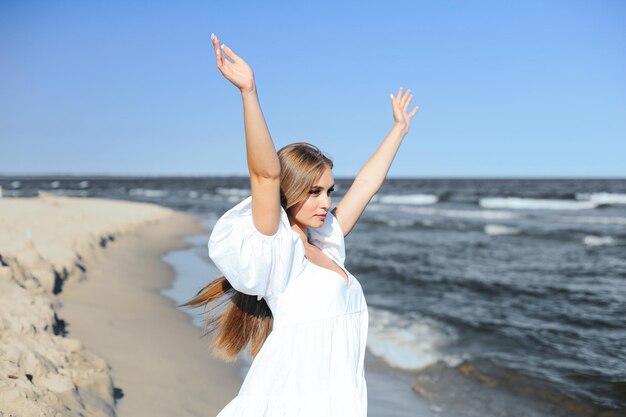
(456, 177)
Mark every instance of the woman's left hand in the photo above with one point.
(400, 105)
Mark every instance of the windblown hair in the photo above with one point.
(242, 320)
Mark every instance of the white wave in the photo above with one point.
(15, 184)
(193, 194)
(602, 198)
(69, 193)
(393, 222)
(598, 240)
(535, 204)
(400, 222)
(55, 184)
(145, 192)
(230, 192)
(411, 199)
(83, 184)
(11, 193)
(409, 343)
(470, 214)
(498, 229)
(589, 219)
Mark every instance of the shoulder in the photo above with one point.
(254, 263)
(239, 218)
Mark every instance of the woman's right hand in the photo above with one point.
(237, 72)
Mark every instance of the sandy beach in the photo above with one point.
(84, 329)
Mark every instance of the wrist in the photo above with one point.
(246, 91)
(400, 128)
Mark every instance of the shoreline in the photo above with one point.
(388, 390)
(80, 282)
(158, 360)
(471, 388)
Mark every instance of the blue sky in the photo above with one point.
(505, 88)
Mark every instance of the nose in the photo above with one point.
(325, 204)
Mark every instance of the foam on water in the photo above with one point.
(469, 214)
(399, 222)
(230, 192)
(536, 204)
(69, 193)
(589, 219)
(146, 192)
(598, 240)
(498, 229)
(411, 199)
(602, 198)
(409, 342)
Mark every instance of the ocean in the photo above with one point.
(486, 297)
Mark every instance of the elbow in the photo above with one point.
(266, 174)
(372, 185)
(265, 168)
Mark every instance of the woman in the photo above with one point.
(285, 291)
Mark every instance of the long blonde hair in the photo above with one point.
(243, 320)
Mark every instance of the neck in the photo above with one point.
(301, 230)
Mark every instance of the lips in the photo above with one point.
(321, 216)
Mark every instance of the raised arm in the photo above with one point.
(372, 175)
(263, 163)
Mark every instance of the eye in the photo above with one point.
(317, 191)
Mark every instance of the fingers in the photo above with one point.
(404, 99)
(216, 43)
(218, 53)
(395, 104)
(221, 50)
(407, 101)
(229, 53)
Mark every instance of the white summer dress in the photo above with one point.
(311, 364)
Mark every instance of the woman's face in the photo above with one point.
(310, 212)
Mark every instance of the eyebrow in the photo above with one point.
(319, 186)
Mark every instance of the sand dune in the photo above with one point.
(83, 327)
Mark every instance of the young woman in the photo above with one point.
(285, 292)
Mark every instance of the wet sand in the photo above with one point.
(158, 360)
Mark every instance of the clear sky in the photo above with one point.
(505, 88)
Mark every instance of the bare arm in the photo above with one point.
(263, 163)
(372, 175)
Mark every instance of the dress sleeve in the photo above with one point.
(329, 238)
(253, 263)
